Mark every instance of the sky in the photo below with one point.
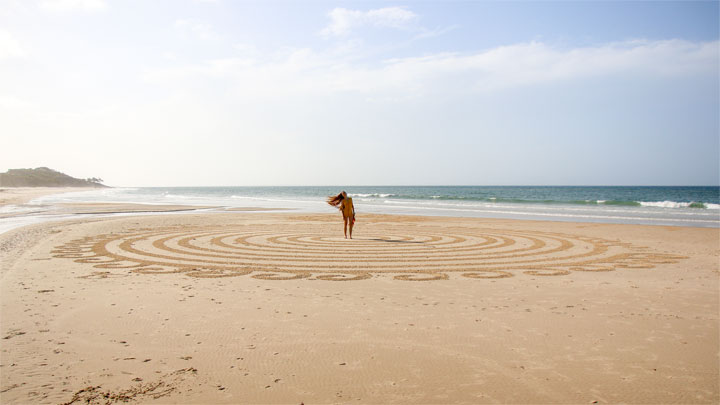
(251, 93)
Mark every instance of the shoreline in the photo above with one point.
(15, 212)
(23, 195)
(279, 308)
(401, 202)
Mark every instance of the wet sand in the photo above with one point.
(22, 195)
(280, 308)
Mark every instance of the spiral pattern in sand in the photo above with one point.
(404, 251)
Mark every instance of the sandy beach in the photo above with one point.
(245, 307)
(22, 195)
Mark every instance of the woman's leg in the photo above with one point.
(345, 223)
(352, 222)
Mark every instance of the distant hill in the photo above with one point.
(44, 177)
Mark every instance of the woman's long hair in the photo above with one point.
(336, 200)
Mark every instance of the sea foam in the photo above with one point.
(674, 204)
(379, 195)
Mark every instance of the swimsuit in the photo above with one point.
(347, 208)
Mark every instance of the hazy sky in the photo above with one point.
(171, 93)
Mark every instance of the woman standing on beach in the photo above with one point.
(345, 205)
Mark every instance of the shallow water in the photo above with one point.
(679, 206)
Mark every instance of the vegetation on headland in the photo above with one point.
(44, 177)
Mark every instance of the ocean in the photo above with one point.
(678, 206)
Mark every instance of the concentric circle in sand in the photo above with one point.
(312, 251)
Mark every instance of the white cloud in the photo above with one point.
(72, 5)
(169, 55)
(197, 28)
(10, 47)
(343, 20)
(431, 33)
(535, 62)
(245, 48)
(515, 65)
(9, 102)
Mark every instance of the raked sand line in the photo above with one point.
(404, 251)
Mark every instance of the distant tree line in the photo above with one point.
(45, 177)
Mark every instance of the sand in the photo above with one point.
(22, 195)
(279, 308)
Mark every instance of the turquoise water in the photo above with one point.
(681, 206)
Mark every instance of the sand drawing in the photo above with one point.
(402, 250)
